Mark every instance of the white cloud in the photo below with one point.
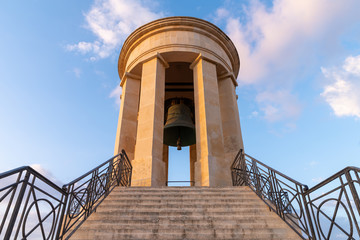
(77, 72)
(254, 114)
(352, 65)
(273, 39)
(342, 93)
(111, 21)
(220, 14)
(278, 105)
(115, 93)
(280, 43)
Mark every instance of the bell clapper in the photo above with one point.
(178, 143)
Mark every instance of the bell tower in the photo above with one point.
(178, 79)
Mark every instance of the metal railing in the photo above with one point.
(33, 207)
(334, 206)
(329, 210)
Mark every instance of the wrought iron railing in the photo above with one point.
(30, 205)
(329, 210)
(335, 207)
(33, 207)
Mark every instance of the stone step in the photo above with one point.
(186, 197)
(189, 196)
(144, 191)
(186, 220)
(199, 201)
(161, 194)
(253, 233)
(163, 224)
(182, 198)
(115, 214)
(179, 205)
(193, 194)
(182, 190)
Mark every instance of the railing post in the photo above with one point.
(242, 163)
(108, 177)
(353, 190)
(60, 230)
(89, 200)
(17, 206)
(118, 167)
(274, 192)
(308, 215)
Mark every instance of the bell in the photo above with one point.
(179, 129)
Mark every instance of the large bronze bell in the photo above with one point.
(179, 129)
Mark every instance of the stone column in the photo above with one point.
(166, 160)
(148, 164)
(127, 124)
(192, 163)
(210, 168)
(230, 117)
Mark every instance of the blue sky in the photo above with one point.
(299, 81)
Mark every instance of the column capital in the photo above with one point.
(201, 57)
(228, 75)
(129, 75)
(158, 56)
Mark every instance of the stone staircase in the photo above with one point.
(184, 213)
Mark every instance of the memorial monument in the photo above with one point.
(178, 78)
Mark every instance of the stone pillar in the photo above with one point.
(230, 118)
(148, 164)
(210, 168)
(166, 160)
(192, 151)
(127, 124)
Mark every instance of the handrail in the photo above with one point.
(34, 172)
(277, 172)
(331, 178)
(54, 212)
(307, 211)
(92, 170)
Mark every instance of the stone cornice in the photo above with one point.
(137, 77)
(158, 56)
(201, 57)
(228, 75)
(219, 77)
(182, 24)
(129, 75)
